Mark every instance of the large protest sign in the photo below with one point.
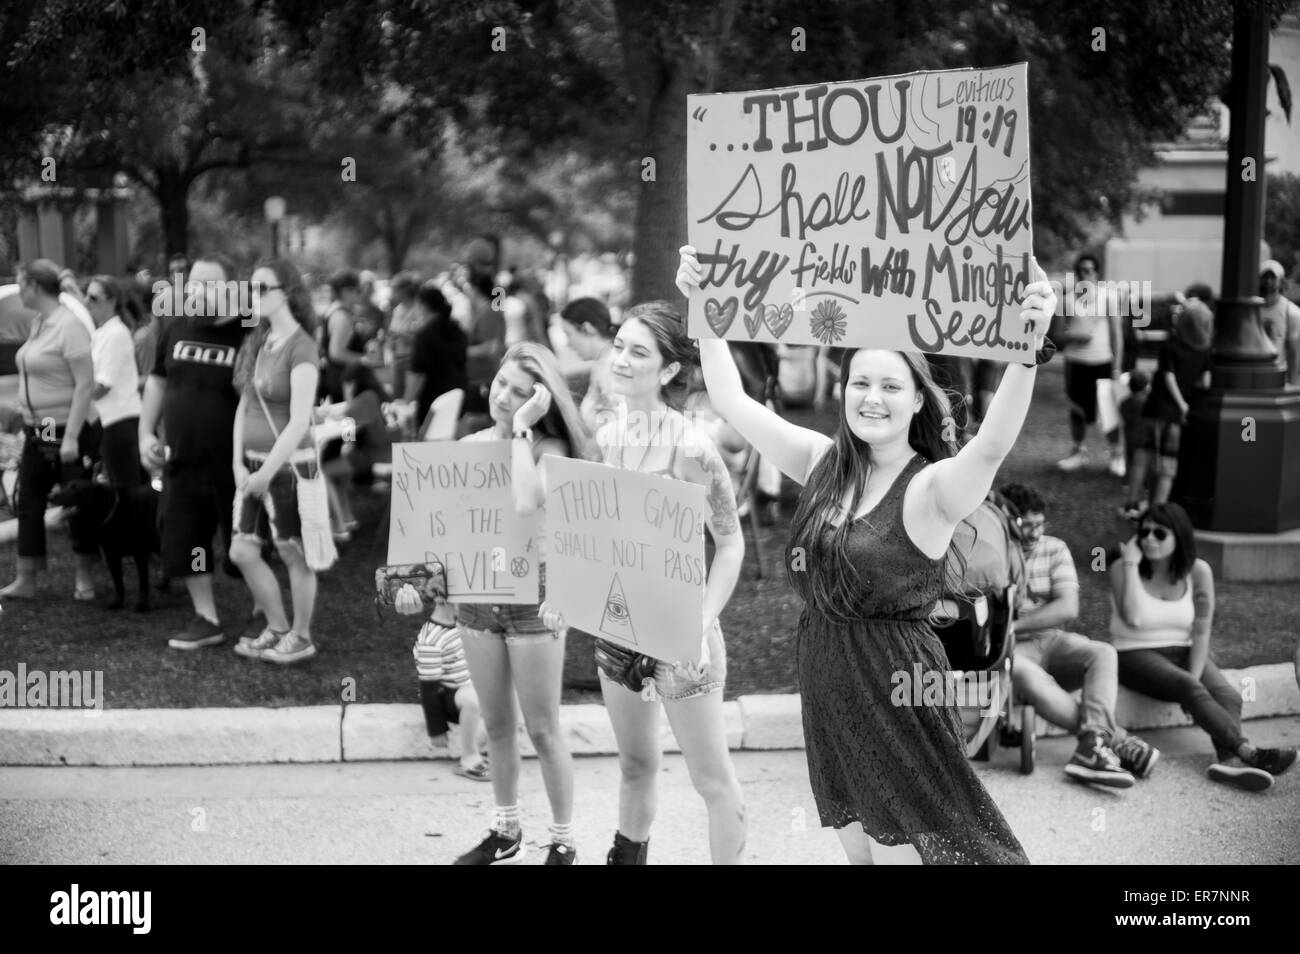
(625, 556)
(888, 213)
(452, 502)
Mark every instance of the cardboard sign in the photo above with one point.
(452, 502)
(885, 213)
(625, 556)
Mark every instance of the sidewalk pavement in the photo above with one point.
(392, 732)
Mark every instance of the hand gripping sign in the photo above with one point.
(887, 213)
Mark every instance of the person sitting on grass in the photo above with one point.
(446, 692)
(1051, 663)
(1162, 607)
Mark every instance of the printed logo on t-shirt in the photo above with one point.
(197, 352)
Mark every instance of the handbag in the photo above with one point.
(428, 579)
(627, 668)
(313, 497)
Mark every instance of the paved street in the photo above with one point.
(418, 812)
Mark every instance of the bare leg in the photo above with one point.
(701, 732)
(537, 669)
(467, 729)
(636, 727)
(489, 669)
(302, 586)
(246, 553)
(199, 586)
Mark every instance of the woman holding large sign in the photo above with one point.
(650, 368)
(508, 648)
(870, 539)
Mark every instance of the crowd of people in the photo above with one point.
(224, 407)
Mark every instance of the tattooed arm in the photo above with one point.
(1202, 584)
(704, 465)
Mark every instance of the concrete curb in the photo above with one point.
(395, 732)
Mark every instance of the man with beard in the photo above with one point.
(191, 389)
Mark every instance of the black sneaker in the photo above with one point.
(199, 632)
(1234, 771)
(495, 849)
(1136, 755)
(1274, 761)
(1094, 762)
(627, 852)
(560, 854)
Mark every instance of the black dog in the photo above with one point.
(123, 524)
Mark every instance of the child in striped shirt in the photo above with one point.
(446, 692)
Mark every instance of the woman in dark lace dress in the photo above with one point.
(869, 543)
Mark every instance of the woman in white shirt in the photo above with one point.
(117, 382)
(1162, 604)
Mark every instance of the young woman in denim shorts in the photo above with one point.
(651, 366)
(508, 649)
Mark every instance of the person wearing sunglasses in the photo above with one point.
(1162, 608)
(1051, 663)
(277, 374)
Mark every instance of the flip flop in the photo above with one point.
(479, 772)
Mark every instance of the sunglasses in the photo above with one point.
(1160, 533)
(262, 288)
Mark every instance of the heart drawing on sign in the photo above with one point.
(755, 321)
(720, 315)
(778, 319)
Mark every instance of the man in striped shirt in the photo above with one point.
(1050, 663)
(446, 692)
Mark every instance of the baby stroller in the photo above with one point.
(977, 628)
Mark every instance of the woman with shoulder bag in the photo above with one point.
(279, 490)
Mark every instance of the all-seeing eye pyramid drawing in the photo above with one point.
(617, 622)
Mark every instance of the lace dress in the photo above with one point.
(901, 771)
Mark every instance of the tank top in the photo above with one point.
(1164, 622)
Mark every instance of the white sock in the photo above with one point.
(561, 834)
(505, 820)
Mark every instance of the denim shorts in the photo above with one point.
(673, 684)
(274, 514)
(511, 622)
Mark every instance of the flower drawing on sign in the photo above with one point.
(828, 322)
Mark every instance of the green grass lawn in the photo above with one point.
(1254, 623)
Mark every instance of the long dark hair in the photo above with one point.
(1175, 518)
(843, 468)
(296, 297)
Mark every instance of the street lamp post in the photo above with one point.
(274, 208)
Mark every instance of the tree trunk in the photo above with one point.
(660, 81)
(662, 67)
(172, 193)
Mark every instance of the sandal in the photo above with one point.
(479, 771)
(84, 596)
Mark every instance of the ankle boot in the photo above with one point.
(627, 852)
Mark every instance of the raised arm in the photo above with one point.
(1125, 581)
(793, 449)
(957, 485)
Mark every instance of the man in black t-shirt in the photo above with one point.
(191, 389)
